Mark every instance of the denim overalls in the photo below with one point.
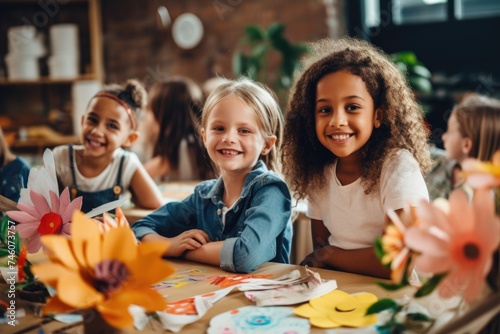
(92, 200)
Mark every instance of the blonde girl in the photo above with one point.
(242, 219)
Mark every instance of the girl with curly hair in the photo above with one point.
(355, 145)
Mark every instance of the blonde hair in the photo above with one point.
(263, 102)
(478, 117)
(402, 124)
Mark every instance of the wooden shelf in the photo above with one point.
(47, 80)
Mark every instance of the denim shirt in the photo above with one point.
(258, 228)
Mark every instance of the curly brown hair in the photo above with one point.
(403, 127)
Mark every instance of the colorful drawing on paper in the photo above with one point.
(182, 278)
(261, 320)
(225, 281)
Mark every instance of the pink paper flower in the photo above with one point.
(44, 217)
(41, 209)
(482, 174)
(459, 243)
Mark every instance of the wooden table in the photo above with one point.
(347, 282)
(470, 322)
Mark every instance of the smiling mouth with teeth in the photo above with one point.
(340, 137)
(229, 152)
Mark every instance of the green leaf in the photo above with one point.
(379, 250)
(381, 305)
(17, 242)
(392, 287)
(408, 57)
(3, 229)
(420, 84)
(275, 30)
(255, 34)
(429, 286)
(420, 70)
(259, 52)
(4, 252)
(418, 317)
(240, 64)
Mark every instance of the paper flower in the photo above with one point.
(261, 320)
(42, 210)
(394, 251)
(338, 308)
(459, 244)
(482, 174)
(107, 272)
(108, 222)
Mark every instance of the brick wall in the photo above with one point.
(134, 45)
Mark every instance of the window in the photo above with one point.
(468, 9)
(419, 11)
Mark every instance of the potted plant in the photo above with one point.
(252, 57)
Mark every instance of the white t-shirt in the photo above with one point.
(105, 180)
(355, 219)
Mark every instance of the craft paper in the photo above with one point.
(338, 308)
(261, 320)
(186, 311)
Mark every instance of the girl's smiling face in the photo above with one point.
(105, 127)
(233, 136)
(345, 114)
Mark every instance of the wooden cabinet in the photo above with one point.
(46, 101)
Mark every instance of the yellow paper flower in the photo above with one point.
(103, 271)
(338, 309)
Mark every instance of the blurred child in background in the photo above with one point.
(100, 169)
(173, 150)
(14, 171)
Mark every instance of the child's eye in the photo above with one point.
(245, 131)
(323, 110)
(113, 126)
(218, 128)
(352, 107)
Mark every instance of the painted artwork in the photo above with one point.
(182, 278)
(261, 320)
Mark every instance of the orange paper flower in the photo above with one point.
(459, 242)
(103, 271)
(395, 251)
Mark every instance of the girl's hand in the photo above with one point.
(188, 240)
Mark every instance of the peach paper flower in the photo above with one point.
(107, 271)
(395, 251)
(459, 243)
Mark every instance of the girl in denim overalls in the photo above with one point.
(242, 219)
(100, 169)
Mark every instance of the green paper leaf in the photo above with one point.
(379, 250)
(381, 305)
(17, 242)
(3, 229)
(4, 252)
(392, 287)
(429, 286)
(418, 317)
